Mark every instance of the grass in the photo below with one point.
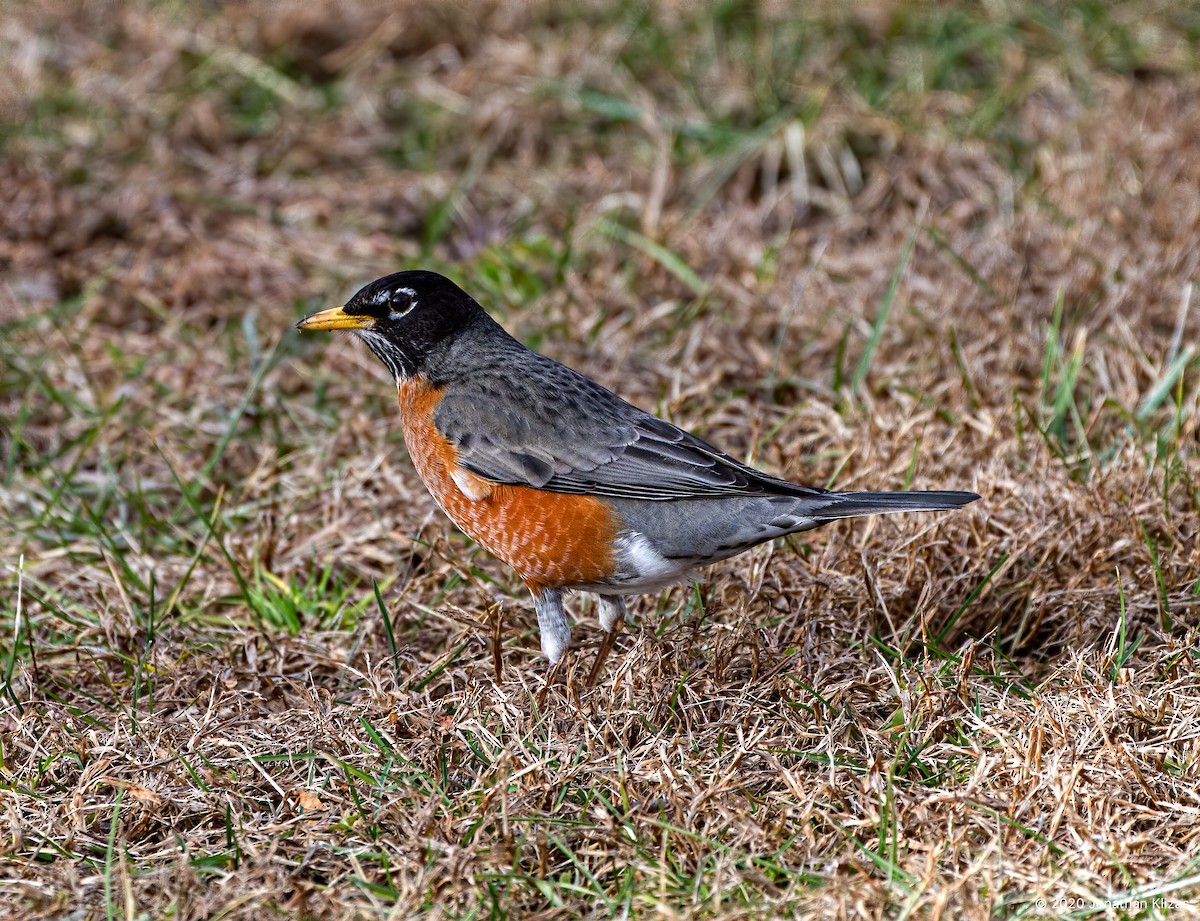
(248, 670)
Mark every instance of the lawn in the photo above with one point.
(247, 666)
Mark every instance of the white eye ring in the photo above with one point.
(411, 294)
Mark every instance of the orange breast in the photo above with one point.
(551, 539)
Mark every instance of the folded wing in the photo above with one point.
(567, 434)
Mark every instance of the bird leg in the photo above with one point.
(555, 634)
(552, 622)
(612, 616)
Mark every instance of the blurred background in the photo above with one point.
(878, 245)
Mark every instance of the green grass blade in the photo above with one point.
(670, 261)
(881, 317)
(387, 627)
(1165, 384)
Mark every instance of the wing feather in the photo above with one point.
(551, 428)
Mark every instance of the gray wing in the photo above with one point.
(551, 428)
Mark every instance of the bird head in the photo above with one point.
(406, 319)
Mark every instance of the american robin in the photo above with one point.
(562, 479)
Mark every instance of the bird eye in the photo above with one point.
(401, 303)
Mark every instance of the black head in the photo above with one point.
(407, 319)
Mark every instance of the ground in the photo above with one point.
(248, 667)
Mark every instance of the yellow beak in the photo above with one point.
(336, 318)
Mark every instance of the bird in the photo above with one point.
(566, 482)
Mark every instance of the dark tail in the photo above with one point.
(850, 504)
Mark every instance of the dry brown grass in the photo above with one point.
(980, 714)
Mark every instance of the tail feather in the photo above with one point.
(851, 504)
